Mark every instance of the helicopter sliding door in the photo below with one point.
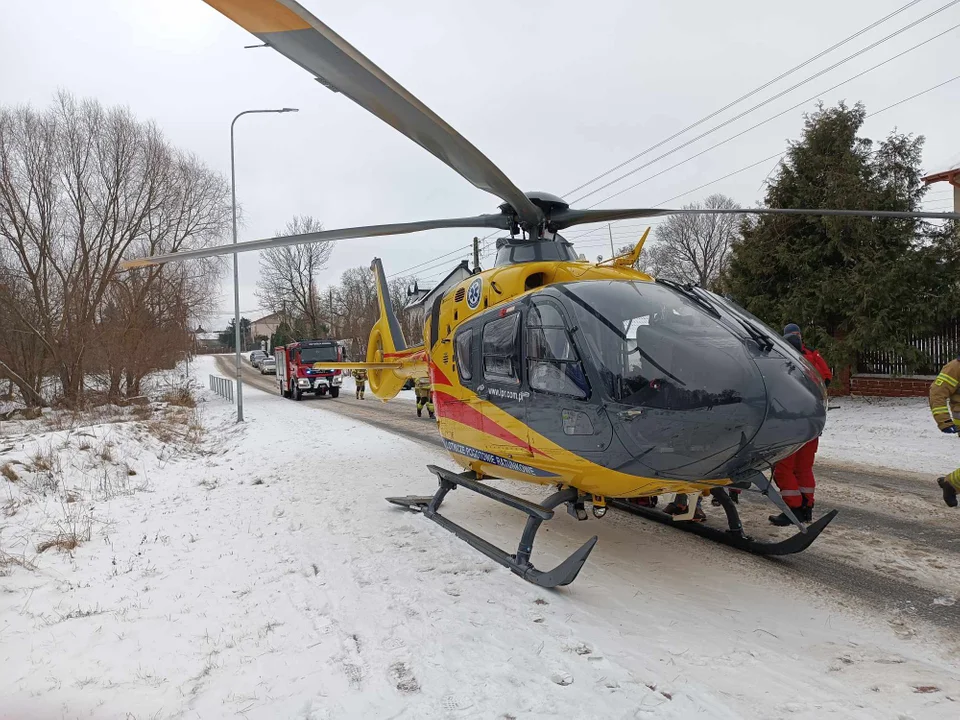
(489, 419)
(561, 405)
(502, 384)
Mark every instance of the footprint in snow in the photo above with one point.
(392, 643)
(354, 673)
(455, 702)
(403, 678)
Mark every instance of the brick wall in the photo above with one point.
(890, 385)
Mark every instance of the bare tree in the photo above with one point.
(81, 188)
(693, 248)
(288, 276)
(355, 303)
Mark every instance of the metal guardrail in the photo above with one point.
(222, 386)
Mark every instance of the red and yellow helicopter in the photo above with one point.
(593, 378)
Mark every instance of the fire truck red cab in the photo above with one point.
(300, 368)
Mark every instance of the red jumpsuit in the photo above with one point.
(794, 474)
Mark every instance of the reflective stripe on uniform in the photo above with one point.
(790, 493)
(951, 381)
(807, 490)
(954, 478)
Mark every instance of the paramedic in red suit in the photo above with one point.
(794, 474)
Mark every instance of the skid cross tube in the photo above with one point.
(518, 563)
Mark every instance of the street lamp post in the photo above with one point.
(236, 274)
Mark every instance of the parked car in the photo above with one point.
(267, 365)
(256, 356)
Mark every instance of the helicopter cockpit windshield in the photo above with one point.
(655, 348)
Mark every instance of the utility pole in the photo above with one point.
(612, 251)
(331, 315)
(236, 280)
(476, 254)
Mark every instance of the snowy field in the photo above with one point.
(250, 571)
(890, 433)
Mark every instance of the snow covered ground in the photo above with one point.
(896, 434)
(251, 571)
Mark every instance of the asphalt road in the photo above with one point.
(894, 548)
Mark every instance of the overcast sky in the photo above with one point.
(555, 92)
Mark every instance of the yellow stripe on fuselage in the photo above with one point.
(260, 16)
(570, 468)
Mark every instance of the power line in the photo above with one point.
(747, 95)
(486, 250)
(431, 261)
(912, 97)
(780, 155)
(774, 117)
(777, 96)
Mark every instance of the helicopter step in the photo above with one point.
(734, 536)
(519, 562)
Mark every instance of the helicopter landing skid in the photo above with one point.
(518, 563)
(734, 537)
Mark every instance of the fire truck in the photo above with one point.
(300, 368)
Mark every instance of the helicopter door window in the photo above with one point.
(464, 347)
(552, 362)
(501, 350)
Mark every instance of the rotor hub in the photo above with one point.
(547, 203)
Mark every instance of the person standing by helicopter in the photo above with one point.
(360, 380)
(945, 406)
(794, 474)
(424, 396)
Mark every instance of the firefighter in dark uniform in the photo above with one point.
(360, 379)
(424, 396)
(945, 406)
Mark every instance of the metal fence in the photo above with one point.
(933, 351)
(222, 386)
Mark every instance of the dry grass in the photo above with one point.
(9, 473)
(44, 460)
(64, 543)
(7, 561)
(180, 397)
(141, 412)
(105, 453)
(76, 527)
(47, 471)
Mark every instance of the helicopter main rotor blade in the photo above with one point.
(498, 221)
(295, 33)
(567, 218)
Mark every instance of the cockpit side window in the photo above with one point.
(463, 346)
(552, 362)
(501, 349)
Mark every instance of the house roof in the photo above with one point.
(949, 173)
(267, 318)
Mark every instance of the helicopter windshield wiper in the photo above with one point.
(757, 335)
(688, 292)
(696, 293)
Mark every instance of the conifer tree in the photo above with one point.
(850, 283)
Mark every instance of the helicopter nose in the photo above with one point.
(796, 410)
(700, 423)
